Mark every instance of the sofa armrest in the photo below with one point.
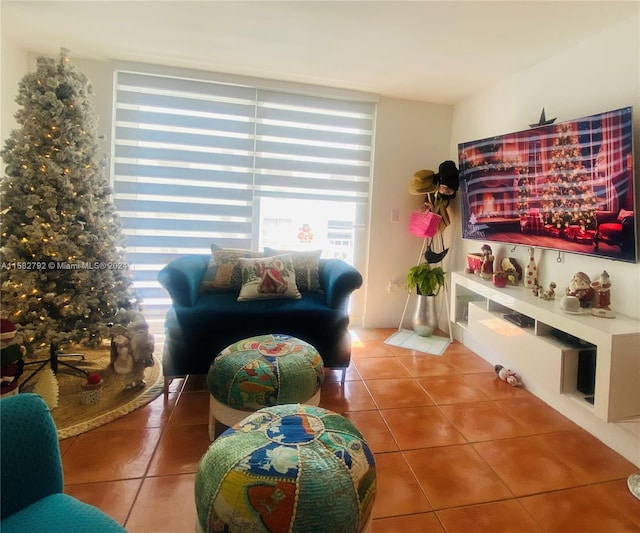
(338, 280)
(182, 276)
(603, 217)
(30, 454)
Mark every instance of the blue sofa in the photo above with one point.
(199, 326)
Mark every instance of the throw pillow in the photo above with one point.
(267, 278)
(223, 272)
(305, 265)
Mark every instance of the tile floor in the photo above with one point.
(457, 450)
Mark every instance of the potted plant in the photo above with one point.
(428, 281)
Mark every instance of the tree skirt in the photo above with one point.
(71, 415)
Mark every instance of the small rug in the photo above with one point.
(71, 416)
(405, 338)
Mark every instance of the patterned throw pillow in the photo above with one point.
(223, 273)
(267, 278)
(306, 266)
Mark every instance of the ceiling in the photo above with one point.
(434, 51)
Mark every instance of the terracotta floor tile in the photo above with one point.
(65, 444)
(374, 429)
(109, 455)
(177, 384)
(164, 505)
(362, 334)
(398, 492)
(482, 421)
(335, 374)
(195, 383)
(192, 408)
(427, 365)
(397, 392)
(527, 465)
(535, 415)
(617, 493)
(180, 450)
(507, 516)
(465, 361)
(452, 476)
(113, 497)
(496, 389)
(153, 415)
(412, 523)
(451, 389)
(581, 509)
(588, 456)
(370, 348)
(380, 368)
(353, 396)
(421, 427)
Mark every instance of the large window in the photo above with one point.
(197, 162)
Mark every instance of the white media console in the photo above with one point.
(546, 351)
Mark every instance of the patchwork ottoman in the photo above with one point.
(288, 468)
(261, 372)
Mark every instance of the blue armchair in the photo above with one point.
(31, 498)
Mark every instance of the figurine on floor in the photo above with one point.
(508, 375)
(134, 352)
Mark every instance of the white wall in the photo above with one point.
(15, 61)
(409, 136)
(600, 74)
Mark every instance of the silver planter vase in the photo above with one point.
(424, 317)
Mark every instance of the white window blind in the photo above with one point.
(192, 160)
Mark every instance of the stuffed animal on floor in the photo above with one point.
(508, 375)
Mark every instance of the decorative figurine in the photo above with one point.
(580, 287)
(500, 279)
(512, 269)
(531, 272)
(508, 375)
(133, 349)
(549, 294)
(602, 300)
(486, 269)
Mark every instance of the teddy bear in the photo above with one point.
(508, 375)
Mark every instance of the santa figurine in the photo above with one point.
(602, 299)
(580, 287)
(11, 357)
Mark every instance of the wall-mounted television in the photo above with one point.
(567, 186)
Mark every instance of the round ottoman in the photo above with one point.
(261, 372)
(288, 468)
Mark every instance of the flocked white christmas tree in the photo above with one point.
(63, 275)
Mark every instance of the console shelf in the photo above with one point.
(546, 349)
